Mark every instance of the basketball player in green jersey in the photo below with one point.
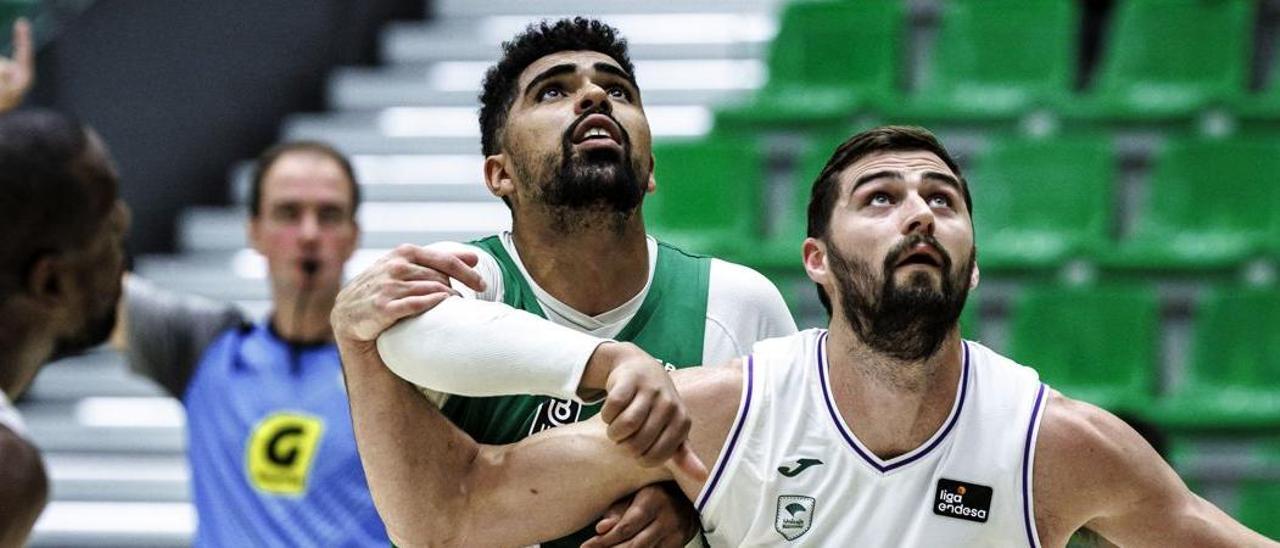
(567, 147)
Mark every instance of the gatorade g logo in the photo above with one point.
(967, 501)
(555, 412)
(280, 451)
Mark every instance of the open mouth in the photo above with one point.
(922, 254)
(597, 128)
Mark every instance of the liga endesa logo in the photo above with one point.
(967, 501)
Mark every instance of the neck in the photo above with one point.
(594, 267)
(303, 316)
(24, 347)
(892, 406)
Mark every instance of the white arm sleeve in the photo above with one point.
(476, 348)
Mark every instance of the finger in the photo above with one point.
(672, 436)
(409, 306)
(397, 290)
(611, 516)
(634, 521)
(646, 538)
(687, 467)
(451, 263)
(659, 419)
(619, 398)
(631, 419)
(398, 268)
(23, 51)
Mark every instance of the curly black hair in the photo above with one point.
(537, 41)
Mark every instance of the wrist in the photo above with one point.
(607, 358)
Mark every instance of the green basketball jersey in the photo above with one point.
(669, 326)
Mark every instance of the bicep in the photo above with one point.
(551, 484)
(1105, 475)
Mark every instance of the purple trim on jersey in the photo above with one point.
(1026, 471)
(847, 434)
(733, 440)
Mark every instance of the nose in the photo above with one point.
(917, 216)
(309, 227)
(594, 97)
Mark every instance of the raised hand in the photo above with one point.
(407, 281)
(17, 74)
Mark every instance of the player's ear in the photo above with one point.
(653, 183)
(45, 281)
(815, 260)
(974, 277)
(497, 176)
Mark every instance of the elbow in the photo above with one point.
(451, 516)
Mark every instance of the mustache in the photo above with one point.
(903, 248)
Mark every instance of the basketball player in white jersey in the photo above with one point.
(885, 430)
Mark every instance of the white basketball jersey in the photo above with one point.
(791, 471)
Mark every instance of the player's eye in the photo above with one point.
(939, 200)
(619, 92)
(286, 213)
(551, 92)
(880, 199)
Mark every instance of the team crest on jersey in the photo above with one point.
(795, 516)
(555, 412)
(280, 451)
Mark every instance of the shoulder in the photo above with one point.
(1088, 462)
(22, 478)
(738, 293)
(486, 265)
(712, 395)
(741, 281)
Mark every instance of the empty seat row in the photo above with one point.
(1103, 345)
(1000, 59)
(1209, 204)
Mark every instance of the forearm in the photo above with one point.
(480, 349)
(415, 461)
(432, 484)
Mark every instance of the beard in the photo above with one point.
(908, 322)
(594, 186)
(97, 327)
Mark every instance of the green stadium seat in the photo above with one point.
(1233, 377)
(1040, 203)
(708, 195)
(1096, 344)
(1259, 497)
(781, 251)
(828, 60)
(1210, 205)
(1167, 59)
(997, 59)
(1259, 501)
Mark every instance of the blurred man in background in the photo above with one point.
(567, 146)
(273, 457)
(62, 255)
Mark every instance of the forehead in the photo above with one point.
(909, 163)
(584, 59)
(305, 175)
